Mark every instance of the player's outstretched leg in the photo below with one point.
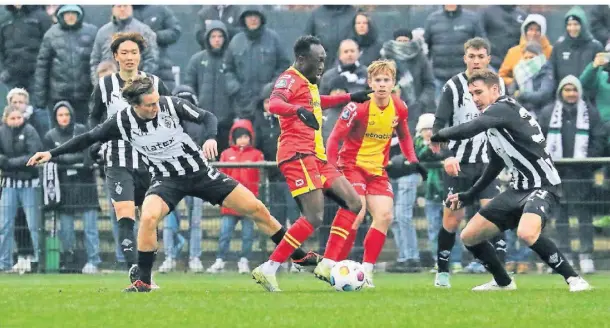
(445, 243)
(242, 200)
(382, 211)
(475, 237)
(311, 205)
(342, 192)
(529, 230)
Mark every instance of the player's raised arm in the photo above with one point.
(102, 133)
(470, 129)
(340, 131)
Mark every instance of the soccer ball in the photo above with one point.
(347, 276)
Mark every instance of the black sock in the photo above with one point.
(126, 239)
(486, 254)
(145, 263)
(277, 238)
(500, 246)
(445, 241)
(548, 252)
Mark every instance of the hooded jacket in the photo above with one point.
(101, 48)
(568, 128)
(62, 66)
(600, 23)
(596, 80)
(331, 24)
(267, 127)
(514, 54)
(445, 34)
(571, 55)
(164, 23)
(369, 43)
(249, 177)
(502, 25)
(253, 59)
(205, 75)
(78, 186)
(16, 147)
(227, 14)
(20, 38)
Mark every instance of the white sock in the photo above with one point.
(328, 263)
(368, 267)
(270, 267)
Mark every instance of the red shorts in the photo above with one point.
(308, 173)
(366, 183)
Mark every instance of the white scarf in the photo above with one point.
(554, 143)
(50, 185)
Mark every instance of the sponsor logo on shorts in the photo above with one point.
(299, 182)
(118, 188)
(359, 184)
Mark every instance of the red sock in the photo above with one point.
(349, 244)
(297, 234)
(339, 232)
(373, 243)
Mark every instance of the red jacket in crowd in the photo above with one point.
(249, 177)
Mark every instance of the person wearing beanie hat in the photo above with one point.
(241, 150)
(66, 47)
(576, 48)
(533, 29)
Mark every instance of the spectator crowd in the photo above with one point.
(51, 59)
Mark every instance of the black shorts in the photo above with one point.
(210, 185)
(125, 184)
(506, 209)
(468, 175)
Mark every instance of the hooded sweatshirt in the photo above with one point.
(514, 54)
(205, 75)
(571, 55)
(596, 80)
(249, 177)
(78, 187)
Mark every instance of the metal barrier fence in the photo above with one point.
(586, 186)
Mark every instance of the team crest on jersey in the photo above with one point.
(168, 122)
(345, 115)
(395, 121)
(284, 82)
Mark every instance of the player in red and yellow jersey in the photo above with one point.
(366, 131)
(302, 160)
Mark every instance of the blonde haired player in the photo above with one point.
(366, 131)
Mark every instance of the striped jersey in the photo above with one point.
(163, 144)
(516, 141)
(106, 101)
(366, 131)
(457, 107)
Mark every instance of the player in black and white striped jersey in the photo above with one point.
(127, 177)
(153, 125)
(515, 141)
(469, 155)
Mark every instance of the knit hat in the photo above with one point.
(403, 32)
(426, 121)
(238, 132)
(533, 47)
(339, 83)
(573, 18)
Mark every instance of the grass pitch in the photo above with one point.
(188, 300)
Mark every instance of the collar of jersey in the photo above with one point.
(296, 71)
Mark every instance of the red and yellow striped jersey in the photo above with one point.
(366, 131)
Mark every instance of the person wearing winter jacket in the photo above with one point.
(253, 58)
(163, 22)
(596, 80)
(600, 23)
(533, 29)
(331, 24)
(414, 75)
(21, 34)
(348, 66)
(366, 35)
(62, 66)
(227, 14)
(18, 140)
(576, 49)
(573, 129)
(533, 84)
(78, 190)
(502, 24)
(123, 21)
(241, 151)
(446, 31)
(205, 75)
